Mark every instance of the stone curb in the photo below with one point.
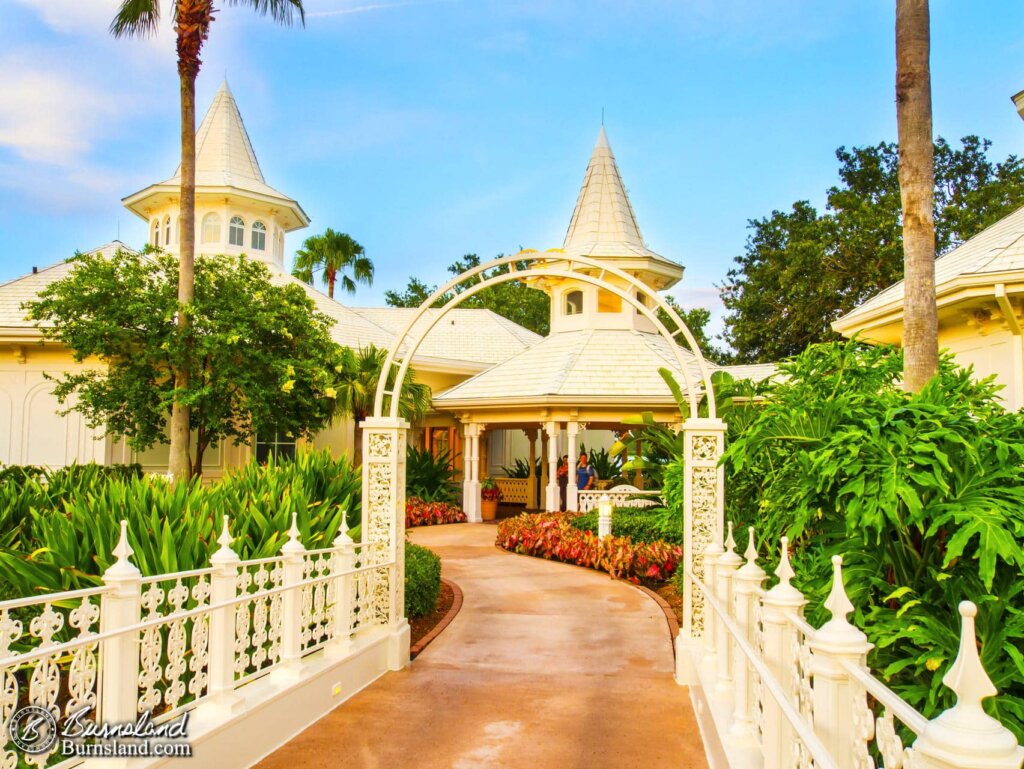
(422, 644)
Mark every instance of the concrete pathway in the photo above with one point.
(547, 665)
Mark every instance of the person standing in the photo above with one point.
(562, 475)
(586, 475)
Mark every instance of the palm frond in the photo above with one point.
(136, 18)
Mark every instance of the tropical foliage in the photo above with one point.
(640, 524)
(802, 269)
(922, 494)
(359, 372)
(422, 580)
(259, 356)
(553, 536)
(419, 512)
(430, 477)
(334, 255)
(521, 468)
(514, 300)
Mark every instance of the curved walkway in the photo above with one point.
(547, 665)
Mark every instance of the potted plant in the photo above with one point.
(490, 495)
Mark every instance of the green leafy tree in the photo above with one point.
(802, 269)
(697, 320)
(259, 356)
(333, 255)
(192, 20)
(514, 300)
(356, 387)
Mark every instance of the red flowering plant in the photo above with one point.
(420, 513)
(551, 536)
(489, 489)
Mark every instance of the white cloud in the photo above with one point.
(51, 116)
(348, 9)
(89, 17)
(690, 297)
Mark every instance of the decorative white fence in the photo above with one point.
(514, 490)
(226, 641)
(623, 495)
(772, 691)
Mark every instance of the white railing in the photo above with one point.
(773, 692)
(514, 490)
(623, 495)
(173, 642)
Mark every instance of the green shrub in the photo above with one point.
(430, 478)
(922, 494)
(649, 524)
(422, 580)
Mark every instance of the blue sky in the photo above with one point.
(432, 129)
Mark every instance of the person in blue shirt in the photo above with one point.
(586, 476)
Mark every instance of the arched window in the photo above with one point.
(167, 231)
(608, 302)
(211, 228)
(259, 236)
(574, 303)
(236, 231)
(155, 238)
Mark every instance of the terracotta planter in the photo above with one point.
(488, 509)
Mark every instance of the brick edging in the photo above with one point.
(422, 644)
(670, 615)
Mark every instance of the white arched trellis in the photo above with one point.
(384, 434)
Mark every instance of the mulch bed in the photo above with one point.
(424, 629)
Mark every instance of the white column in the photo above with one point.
(552, 429)
(746, 586)
(383, 525)
(293, 555)
(572, 498)
(531, 485)
(471, 476)
(703, 518)
(342, 562)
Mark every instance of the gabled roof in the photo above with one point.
(16, 292)
(596, 365)
(225, 163)
(481, 336)
(998, 249)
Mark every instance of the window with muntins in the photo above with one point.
(236, 231)
(259, 236)
(211, 228)
(274, 444)
(167, 231)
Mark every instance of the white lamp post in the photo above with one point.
(604, 517)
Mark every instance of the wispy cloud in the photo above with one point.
(369, 7)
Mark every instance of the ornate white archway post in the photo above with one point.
(383, 527)
(703, 520)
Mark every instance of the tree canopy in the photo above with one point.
(514, 300)
(802, 269)
(334, 255)
(259, 356)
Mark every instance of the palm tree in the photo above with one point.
(332, 254)
(917, 184)
(357, 386)
(192, 19)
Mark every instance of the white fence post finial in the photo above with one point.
(293, 567)
(965, 736)
(223, 588)
(119, 655)
(343, 561)
(747, 584)
(840, 704)
(780, 640)
(726, 567)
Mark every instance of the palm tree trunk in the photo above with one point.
(917, 185)
(180, 467)
(330, 284)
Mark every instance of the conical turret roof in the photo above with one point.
(603, 222)
(226, 164)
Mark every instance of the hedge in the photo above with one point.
(422, 580)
